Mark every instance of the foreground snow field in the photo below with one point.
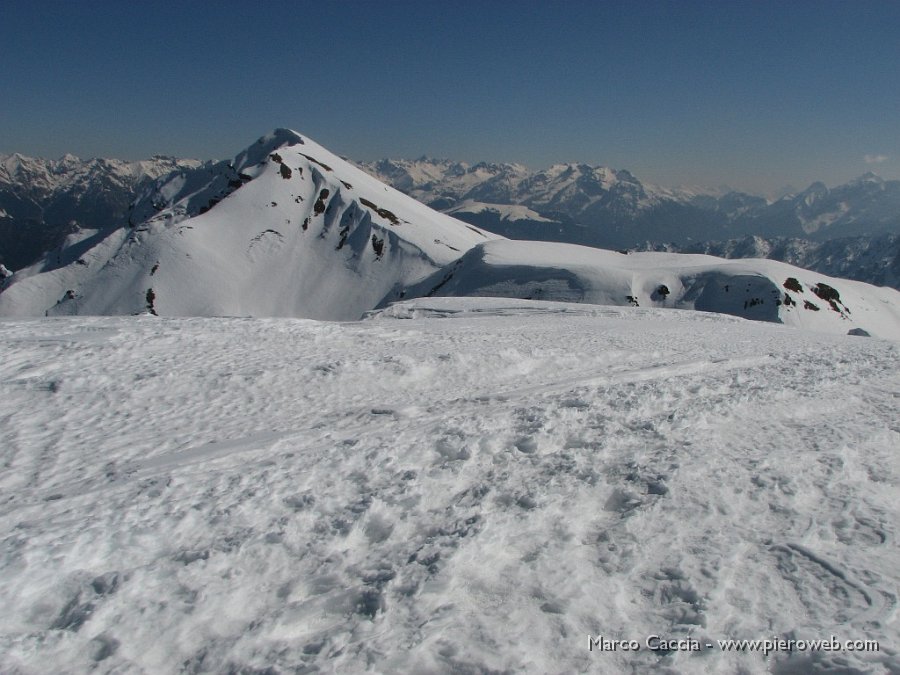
(450, 486)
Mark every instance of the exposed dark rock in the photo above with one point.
(211, 203)
(319, 206)
(793, 285)
(384, 213)
(826, 292)
(378, 246)
(315, 161)
(660, 293)
(343, 234)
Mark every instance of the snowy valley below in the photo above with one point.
(450, 485)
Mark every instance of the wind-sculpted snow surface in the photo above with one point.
(452, 486)
(762, 290)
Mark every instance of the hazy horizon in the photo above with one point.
(776, 193)
(756, 96)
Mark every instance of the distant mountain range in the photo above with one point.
(852, 230)
(873, 259)
(43, 201)
(599, 206)
(287, 228)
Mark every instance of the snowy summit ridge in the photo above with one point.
(288, 228)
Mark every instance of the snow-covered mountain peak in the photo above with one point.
(280, 137)
(265, 145)
(287, 228)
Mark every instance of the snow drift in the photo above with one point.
(763, 290)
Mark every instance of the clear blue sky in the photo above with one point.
(753, 94)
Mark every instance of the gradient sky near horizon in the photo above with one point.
(756, 95)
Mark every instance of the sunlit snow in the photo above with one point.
(448, 486)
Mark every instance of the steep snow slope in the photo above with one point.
(476, 488)
(763, 290)
(286, 229)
